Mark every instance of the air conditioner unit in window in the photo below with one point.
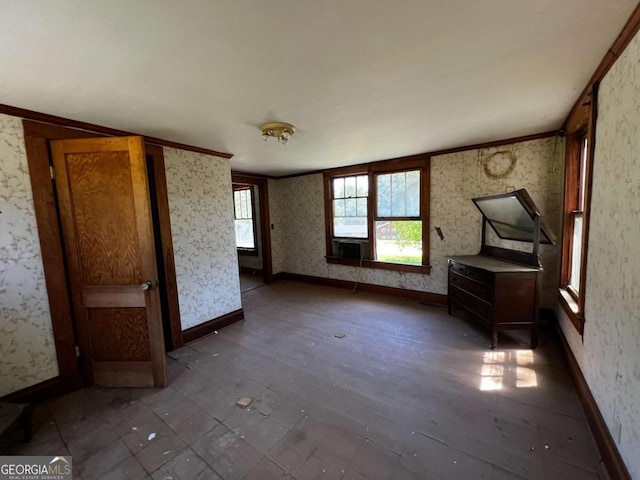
(357, 249)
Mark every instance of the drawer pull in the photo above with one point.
(457, 268)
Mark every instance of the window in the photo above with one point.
(578, 165)
(576, 218)
(243, 215)
(398, 223)
(350, 206)
(384, 207)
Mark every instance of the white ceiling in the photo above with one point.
(361, 80)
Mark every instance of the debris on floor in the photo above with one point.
(339, 335)
(244, 402)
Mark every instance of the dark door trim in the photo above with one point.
(265, 225)
(166, 261)
(37, 136)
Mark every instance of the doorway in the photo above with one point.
(73, 371)
(253, 230)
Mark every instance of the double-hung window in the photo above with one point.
(398, 223)
(244, 222)
(350, 197)
(383, 207)
(576, 219)
(578, 167)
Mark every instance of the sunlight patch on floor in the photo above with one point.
(503, 369)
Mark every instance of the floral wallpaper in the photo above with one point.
(201, 211)
(610, 355)
(26, 336)
(455, 179)
(301, 224)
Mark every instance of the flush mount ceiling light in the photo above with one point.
(279, 130)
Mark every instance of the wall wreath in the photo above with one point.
(499, 165)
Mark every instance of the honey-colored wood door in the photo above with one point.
(107, 227)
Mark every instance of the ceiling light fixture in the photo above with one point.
(279, 130)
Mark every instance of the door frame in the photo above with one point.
(265, 225)
(37, 136)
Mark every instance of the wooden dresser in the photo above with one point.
(501, 287)
(501, 294)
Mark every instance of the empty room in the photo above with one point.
(320, 239)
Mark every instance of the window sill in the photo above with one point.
(571, 308)
(248, 252)
(353, 262)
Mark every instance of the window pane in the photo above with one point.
(242, 204)
(576, 253)
(350, 187)
(236, 204)
(384, 195)
(338, 188)
(350, 227)
(338, 208)
(399, 242)
(244, 234)
(413, 193)
(398, 195)
(350, 207)
(362, 207)
(363, 185)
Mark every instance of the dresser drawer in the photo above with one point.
(471, 303)
(457, 267)
(478, 274)
(482, 290)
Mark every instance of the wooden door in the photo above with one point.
(108, 236)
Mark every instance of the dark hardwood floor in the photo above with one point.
(249, 281)
(407, 393)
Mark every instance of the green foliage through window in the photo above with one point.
(409, 233)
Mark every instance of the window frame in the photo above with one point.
(580, 128)
(244, 250)
(333, 198)
(372, 170)
(576, 200)
(391, 218)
